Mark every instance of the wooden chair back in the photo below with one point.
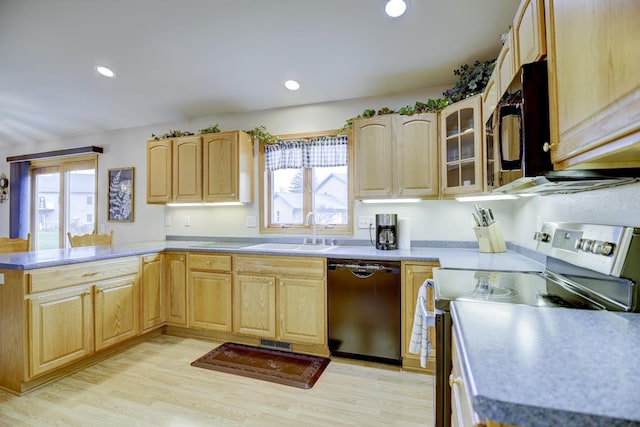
(18, 244)
(90, 239)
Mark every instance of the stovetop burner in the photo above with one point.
(487, 291)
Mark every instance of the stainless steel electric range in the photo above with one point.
(588, 266)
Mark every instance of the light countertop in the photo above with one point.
(449, 257)
(539, 366)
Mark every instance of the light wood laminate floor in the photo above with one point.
(153, 384)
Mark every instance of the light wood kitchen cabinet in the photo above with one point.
(254, 301)
(417, 155)
(116, 310)
(413, 276)
(187, 169)
(396, 156)
(490, 96)
(210, 288)
(62, 314)
(153, 292)
(282, 298)
(461, 136)
(60, 328)
(594, 84)
(529, 42)
(159, 175)
(227, 167)
(505, 63)
(174, 170)
(373, 145)
(175, 274)
(462, 412)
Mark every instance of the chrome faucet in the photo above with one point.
(311, 216)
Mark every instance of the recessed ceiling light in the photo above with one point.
(395, 8)
(292, 85)
(107, 72)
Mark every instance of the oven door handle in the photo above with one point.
(430, 316)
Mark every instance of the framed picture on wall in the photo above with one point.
(120, 195)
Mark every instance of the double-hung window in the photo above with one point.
(304, 175)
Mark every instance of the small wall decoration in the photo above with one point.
(120, 195)
(4, 187)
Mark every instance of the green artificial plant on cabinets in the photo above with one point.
(473, 79)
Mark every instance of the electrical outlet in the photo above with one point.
(365, 222)
(252, 221)
(167, 220)
(187, 221)
(1, 278)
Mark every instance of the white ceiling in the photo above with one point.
(182, 59)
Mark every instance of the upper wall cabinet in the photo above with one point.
(228, 167)
(396, 156)
(505, 65)
(594, 83)
(187, 169)
(174, 170)
(528, 33)
(461, 134)
(159, 171)
(490, 96)
(216, 167)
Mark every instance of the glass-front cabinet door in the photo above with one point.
(462, 158)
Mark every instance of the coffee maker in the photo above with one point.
(386, 231)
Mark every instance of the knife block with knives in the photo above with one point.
(488, 231)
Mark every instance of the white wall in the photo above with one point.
(430, 220)
(613, 206)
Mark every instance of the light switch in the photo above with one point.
(1, 278)
(167, 220)
(252, 222)
(187, 221)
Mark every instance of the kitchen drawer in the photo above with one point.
(281, 266)
(46, 279)
(206, 262)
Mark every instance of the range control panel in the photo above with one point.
(601, 248)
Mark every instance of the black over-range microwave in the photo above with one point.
(520, 125)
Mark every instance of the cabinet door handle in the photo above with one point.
(95, 273)
(454, 380)
(546, 147)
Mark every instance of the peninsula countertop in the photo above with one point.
(540, 366)
(449, 257)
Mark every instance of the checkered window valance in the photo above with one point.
(306, 153)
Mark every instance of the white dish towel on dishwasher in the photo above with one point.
(420, 343)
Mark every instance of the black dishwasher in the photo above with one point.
(364, 309)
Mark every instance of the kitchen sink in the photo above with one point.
(290, 247)
(220, 245)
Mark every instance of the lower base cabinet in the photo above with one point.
(60, 328)
(462, 412)
(210, 301)
(175, 265)
(74, 311)
(116, 311)
(210, 292)
(153, 292)
(414, 275)
(281, 298)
